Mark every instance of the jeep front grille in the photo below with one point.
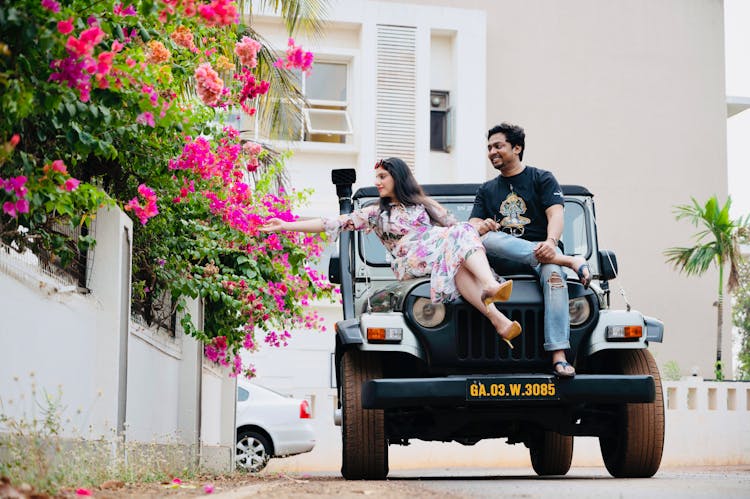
(477, 341)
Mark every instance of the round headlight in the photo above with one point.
(428, 314)
(580, 310)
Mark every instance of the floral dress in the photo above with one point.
(418, 247)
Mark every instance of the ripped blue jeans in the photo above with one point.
(555, 291)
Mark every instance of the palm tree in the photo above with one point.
(717, 243)
(283, 104)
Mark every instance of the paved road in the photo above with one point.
(580, 483)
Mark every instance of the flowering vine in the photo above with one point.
(99, 102)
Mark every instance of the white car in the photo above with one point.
(270, 425)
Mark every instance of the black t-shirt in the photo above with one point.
(519, 202)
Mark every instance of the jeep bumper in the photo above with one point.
(455, 391)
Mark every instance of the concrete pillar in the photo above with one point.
(189, 399)
(110, 286)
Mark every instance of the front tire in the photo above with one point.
(253, 451)
(364, 446)
(635, 448)
(551, 454)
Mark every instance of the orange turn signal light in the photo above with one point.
(624, 332)
(375, 333)
(394, 334)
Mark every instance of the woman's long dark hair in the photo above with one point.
(406, 190)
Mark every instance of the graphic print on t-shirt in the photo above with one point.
(513, 207)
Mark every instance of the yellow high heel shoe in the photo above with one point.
(512, 331)
(502, 294)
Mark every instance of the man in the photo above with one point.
(527, 203)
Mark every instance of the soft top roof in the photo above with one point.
(464, 190)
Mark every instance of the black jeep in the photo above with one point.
(407, 368)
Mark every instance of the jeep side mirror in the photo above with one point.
(334, 270)
(607, 265)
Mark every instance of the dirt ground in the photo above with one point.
(236, 486)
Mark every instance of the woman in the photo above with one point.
(423, 239)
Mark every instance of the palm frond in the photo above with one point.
(694, 213)
(305, 16)
(694, 260)
(285, 94)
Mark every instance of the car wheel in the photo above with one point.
(364, 447)
(252, 452)
(635, 447)
(551, 454)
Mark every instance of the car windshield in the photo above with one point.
(575, 236)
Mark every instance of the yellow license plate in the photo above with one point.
(516, 389)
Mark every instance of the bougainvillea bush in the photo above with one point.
(109, 102)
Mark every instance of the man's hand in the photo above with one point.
(545, 251)
(484, 226)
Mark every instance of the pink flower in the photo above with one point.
(250, 89)
(22, 206)
(117, 46)
(208, 488)
(208, 84)
(247, 50)
(9, 208)
(104, 62)
(252, 148)
(84, 44)
(296, 58)
(177, 481)
(71, 184)
(59, 166)
(124, 12)
(249, 342)
(73, 71)
(146, 211)
(219, 12)
(146, 118)
(51, 5)
(14, 140)
(84, 492)
(93, 35)
(16, 184)
(65, 26)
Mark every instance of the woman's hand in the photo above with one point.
(272, 225)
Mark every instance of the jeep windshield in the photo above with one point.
(575, 237)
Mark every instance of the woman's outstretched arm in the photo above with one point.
(277, 225)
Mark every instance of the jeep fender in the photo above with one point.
(351, 333)
(653, 330)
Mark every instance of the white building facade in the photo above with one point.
(625, 98)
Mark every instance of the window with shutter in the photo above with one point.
(396, 94)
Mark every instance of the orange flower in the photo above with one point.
(223, 63)
(157, 53)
